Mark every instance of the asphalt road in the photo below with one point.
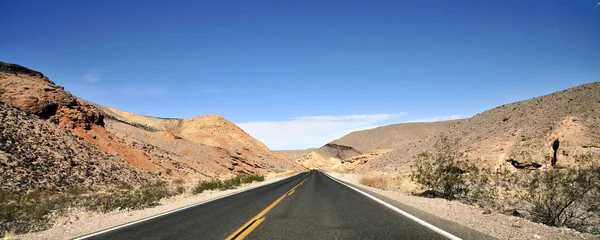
(306, 206)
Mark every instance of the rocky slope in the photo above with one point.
(521, 131)
(37, 154)
(181, 148)
(204, 146)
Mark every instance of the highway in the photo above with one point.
(309, 205)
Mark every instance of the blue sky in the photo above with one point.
(298, 74)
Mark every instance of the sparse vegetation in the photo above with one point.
(35, 210)
(442, 171)
(375, 181)
(567, 197)
(128, 197)
(230, 183)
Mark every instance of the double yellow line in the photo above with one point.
(247, 228)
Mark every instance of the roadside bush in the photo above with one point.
(179, 186)
(230, 183)
(567, 197)
(35, 210)
(375, 181)
(27, 212)
(127, 197)
(207, 185)
(443, 171)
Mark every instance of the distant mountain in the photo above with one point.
(522, 131)
(200, 147)
(293, 154)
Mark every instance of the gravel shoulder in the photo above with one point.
(496, 225)
(83, 223)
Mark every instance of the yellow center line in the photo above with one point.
(248, 227)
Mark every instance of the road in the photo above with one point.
(306, 206)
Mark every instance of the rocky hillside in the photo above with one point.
(521, 131)
(37, 154)
(183, 148)
(205, 146)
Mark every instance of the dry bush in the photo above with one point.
(443, 171)
(568, 197)
(179, 186)
(27, 212)
(128, 197)
(562, 197)
(36, 210)
(375, 181)
(230, 183)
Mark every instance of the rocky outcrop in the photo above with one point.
(38, 155)
(34, 93)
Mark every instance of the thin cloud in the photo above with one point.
(312, 131)
(597, 4)
(91, 76)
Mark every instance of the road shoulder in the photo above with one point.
(462, 220)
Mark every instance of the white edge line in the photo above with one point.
(176, 210)
(408, 215)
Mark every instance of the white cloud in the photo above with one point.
(313, 131)
(91, 76)
(436, 119)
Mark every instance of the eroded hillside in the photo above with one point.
(202, 147)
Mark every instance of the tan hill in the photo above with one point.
(205, 146)
(522, 131)
(37, 154)
(363, 146)
(293, 154)
(393, 136)
(184, 148)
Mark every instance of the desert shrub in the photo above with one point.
(35, 210)
(27, 212)
(207, 185)
(567, 197)
(375, 181)
(127, 197)
(179, 181)
(230, 183)
(442, 171)
(178, 186)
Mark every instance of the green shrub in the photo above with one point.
(226, 184)
(126, 197)
(442, 171)
(207, 185)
